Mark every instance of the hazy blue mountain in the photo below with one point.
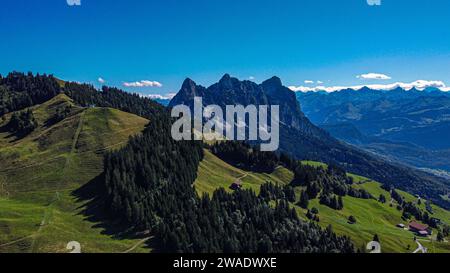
(164, 102)
(405, 152)
(419, 117)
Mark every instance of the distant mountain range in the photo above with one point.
(419, 117)
(408, 125)
(164, 102)
(300, 138)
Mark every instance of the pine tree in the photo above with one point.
(340, 203)
(304, 200)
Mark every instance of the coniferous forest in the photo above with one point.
(19, 90)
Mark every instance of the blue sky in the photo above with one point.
(165, 41)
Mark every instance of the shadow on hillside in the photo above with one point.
(12, 137)
(94, 208)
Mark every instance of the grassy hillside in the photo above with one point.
(214, 173)
(38, 174)
(372, 216)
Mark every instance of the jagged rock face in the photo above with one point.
(186, 95)
(231, 91)
(290, 111)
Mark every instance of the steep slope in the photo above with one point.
(303, 140)
(372, 216)
(40, 171)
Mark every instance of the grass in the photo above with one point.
(48, 228)
(39, 173)
(372, 216)
(214, 173)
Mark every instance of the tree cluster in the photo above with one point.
(270, 191)
(19, 91)
(22, 123)
(331, 184)
(246, 157)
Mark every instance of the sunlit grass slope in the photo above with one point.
(38, 174)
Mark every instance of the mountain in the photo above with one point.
(231, 91)
(408, 126)
(303, 140)
(418, 117)
(163, 102)
(347, 132)
(395, 151)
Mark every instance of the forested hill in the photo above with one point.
(19, 91)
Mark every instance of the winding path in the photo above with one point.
(138, 244)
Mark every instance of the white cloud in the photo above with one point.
(309, 82)
(143, 83)
(420, 85)
(168, 96)
(319, 82)
(373, 76)
(101, 80)
(251, 78)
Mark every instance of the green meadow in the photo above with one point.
(39, 174)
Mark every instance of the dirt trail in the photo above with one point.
(16, 241)
(48, 211)
(75, 140)
(45, 221)
(239, 179)
(138, 244)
